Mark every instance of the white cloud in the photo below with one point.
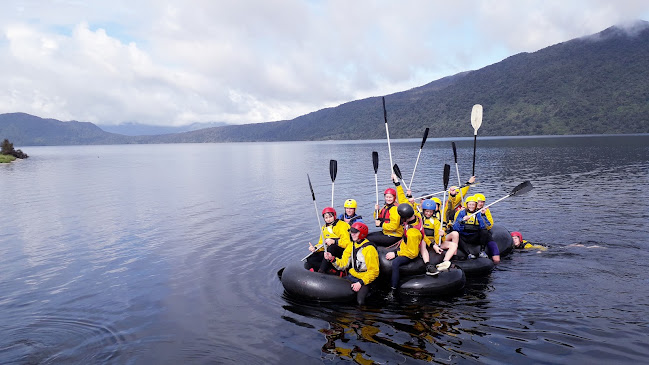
(177, 62)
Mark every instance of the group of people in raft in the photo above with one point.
(415, 226)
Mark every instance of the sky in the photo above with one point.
(178, 62)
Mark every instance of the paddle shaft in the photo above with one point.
(475, 139)
(439, 239)
(439, 192)
(387, 133)
(413, 170)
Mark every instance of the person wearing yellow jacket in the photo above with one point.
(481, 202)
(455, 198)
(412, 238)
(388, 218)
(520, 243)
(435, 233)
(335, 234)
(362, 260)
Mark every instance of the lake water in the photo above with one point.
(143, 254)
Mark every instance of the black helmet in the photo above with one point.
(405, 210)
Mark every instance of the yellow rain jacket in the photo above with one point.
(432, 225)
(366, 266)
(453, 202)
(338, 231)
(410, 243)
(390, 220)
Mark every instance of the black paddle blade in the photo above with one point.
(423, 140)
(311, 187)
(375, 161)
(522, 188)
(333, 169)
(397, 171)
(454, 152)
(447, 174)
(385, 113)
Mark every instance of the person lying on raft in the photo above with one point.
(433, 230)
(336, 237)
(409, 247)
(520, 243)
(455, 197)
(350, 216)
(473, 231)
(388, 218)
(362, 260)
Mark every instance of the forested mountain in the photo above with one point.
(591, 85)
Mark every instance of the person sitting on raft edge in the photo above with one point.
(350, 216)
(473, 231)
(363, 258)
(434, 233)
(409, 247)
(520, 243)
(388, 218)
(335, 234)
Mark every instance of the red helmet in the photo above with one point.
(329, 210)
(517, 234)
(390, 191)
(360, 227)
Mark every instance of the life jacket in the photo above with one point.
(384, 213)
(418, 224)
(472, 225)
(348, 219)
(358, 259)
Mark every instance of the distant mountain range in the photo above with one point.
(590, 85)
(136, 129)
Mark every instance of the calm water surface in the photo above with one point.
(168, 254)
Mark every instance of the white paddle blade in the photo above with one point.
(476, 117)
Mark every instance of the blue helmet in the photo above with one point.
(428, 204)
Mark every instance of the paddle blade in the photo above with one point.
(333, 169)
(385, 113)
(522, 188)
(447, 175)
(454, 151)
(375, 161)
(476, 117)
(423, 140)
(311, 187)
(397, 171)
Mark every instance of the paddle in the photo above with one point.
(447, 173)
(458, 172)
(520, 189)
(397, 172)
(318, 216)
(476, 122)
(333, 171)
(440, 192)
(375, 162)
(423, 140)
(387, 132)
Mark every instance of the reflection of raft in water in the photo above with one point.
(302, 283)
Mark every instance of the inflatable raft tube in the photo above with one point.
(445, 283)
(304, 284)
(475, 267)
(504, 240)
(414, 267)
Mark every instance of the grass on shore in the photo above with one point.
(6, 158)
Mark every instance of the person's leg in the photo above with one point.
(381, 240)
(450, 244)
(397, 262)
(315, 260)
(492, 249)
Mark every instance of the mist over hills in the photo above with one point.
(590, 85)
